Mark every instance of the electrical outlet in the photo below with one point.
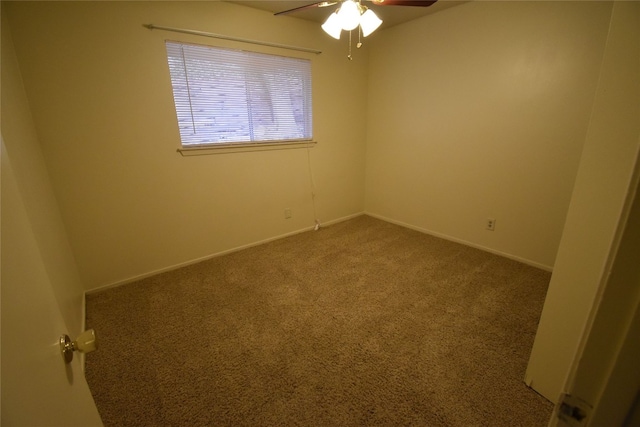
(490, 224)
(287, 213)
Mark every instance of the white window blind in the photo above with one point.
(225, 96)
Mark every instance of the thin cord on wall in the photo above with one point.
(313, 191)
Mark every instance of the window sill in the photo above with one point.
(243, 147)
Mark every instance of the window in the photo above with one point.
(225, 96)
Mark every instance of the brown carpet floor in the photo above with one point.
(363, 323)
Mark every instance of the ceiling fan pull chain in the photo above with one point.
(359, 45)
(349, 56)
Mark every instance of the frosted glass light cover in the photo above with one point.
(369, 22)
(349, 15)
(332, 26)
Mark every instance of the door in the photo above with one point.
(38, 388)
(606, 376)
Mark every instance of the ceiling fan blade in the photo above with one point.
(418, 3)
(308, 6)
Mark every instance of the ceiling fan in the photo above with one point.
(417, 3)
(351, 15)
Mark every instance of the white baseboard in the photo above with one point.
(463, 242)
(342, 219)
(217, 254)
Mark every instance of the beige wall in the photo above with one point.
(98, 85)
(479, 112)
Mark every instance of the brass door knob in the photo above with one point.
(85, 343)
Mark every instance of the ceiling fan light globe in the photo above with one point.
(369, 22)
(332, 26)
(349, 15)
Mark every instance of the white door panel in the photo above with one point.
(38, 389)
